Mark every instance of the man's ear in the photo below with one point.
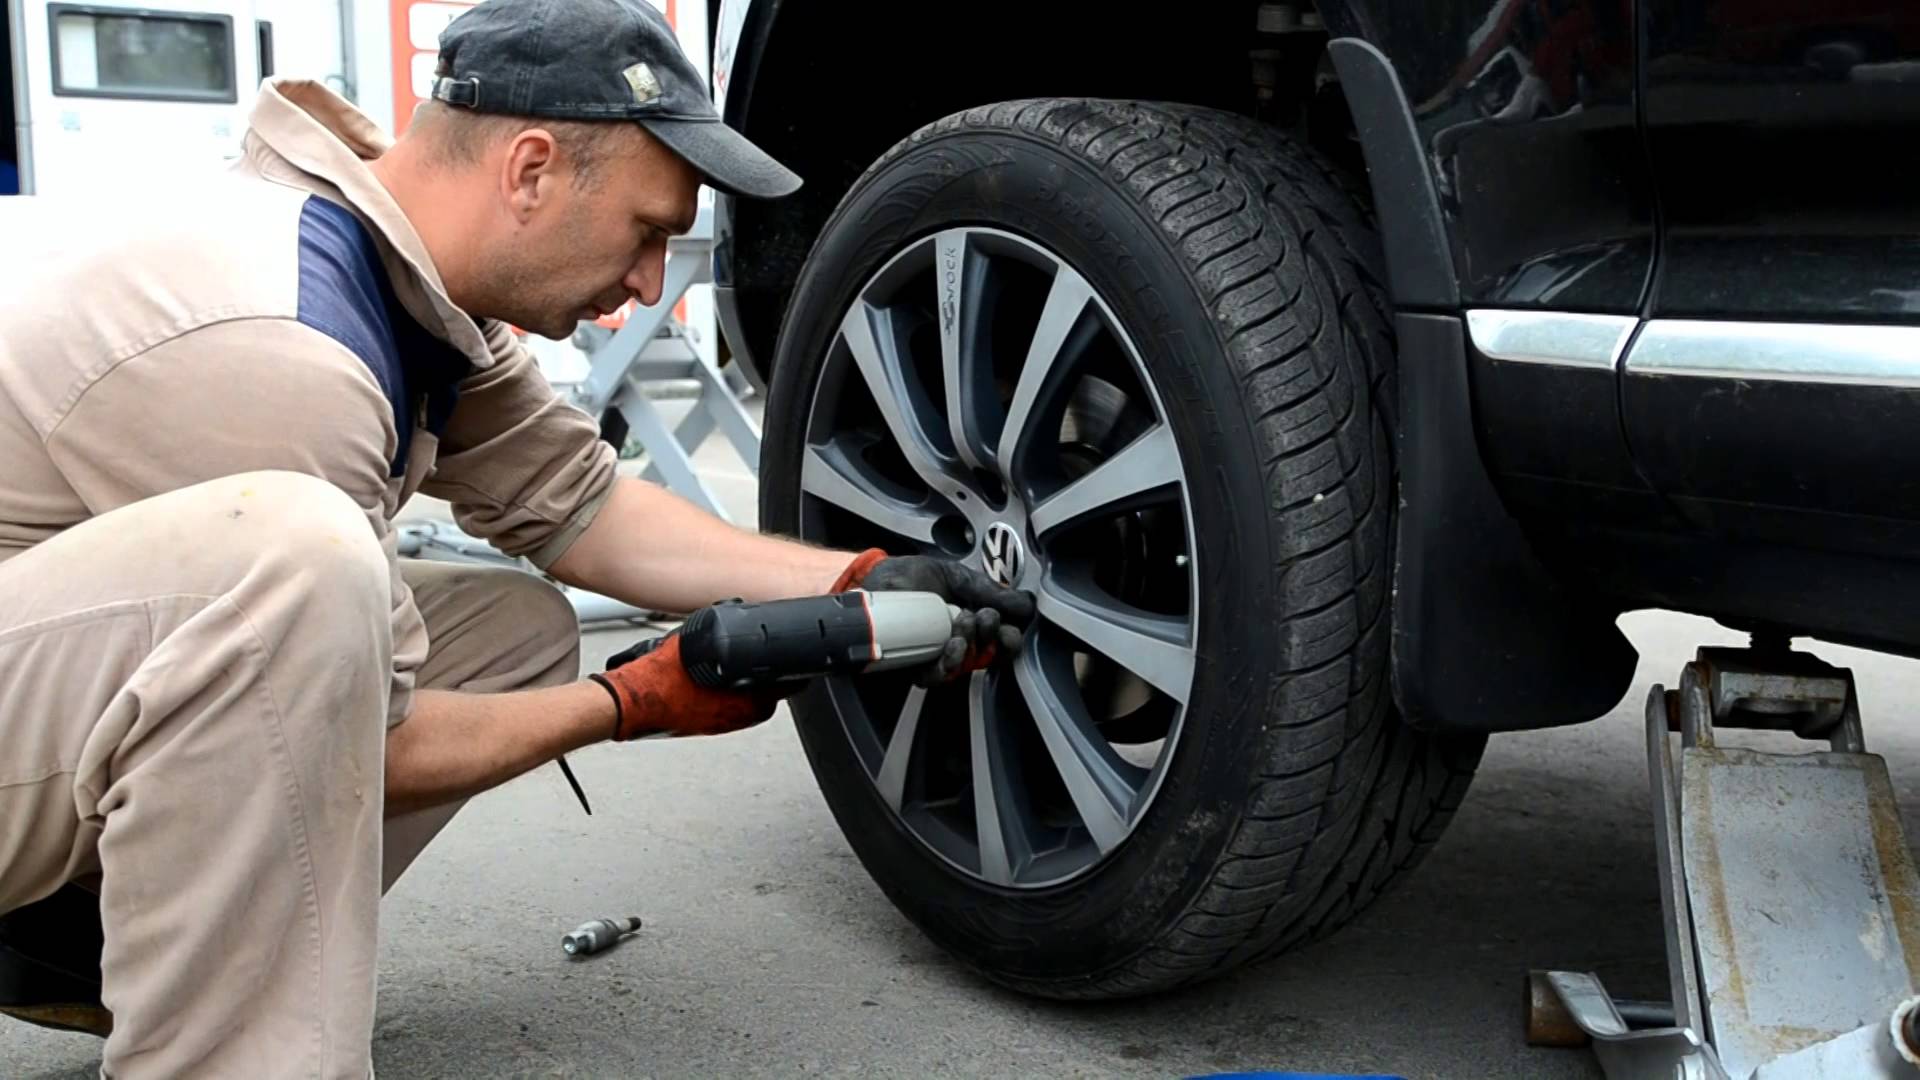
(529, 172)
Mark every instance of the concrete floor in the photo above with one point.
(767, 949)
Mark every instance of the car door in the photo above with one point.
(1773, 394)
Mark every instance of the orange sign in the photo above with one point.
(416, 28)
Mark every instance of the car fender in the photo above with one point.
(1485, 636)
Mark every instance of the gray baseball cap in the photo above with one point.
(599, 60)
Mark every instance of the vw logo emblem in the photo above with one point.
(1001, 554)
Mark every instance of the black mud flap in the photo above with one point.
(1485, 638)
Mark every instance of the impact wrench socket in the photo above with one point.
(592, 937)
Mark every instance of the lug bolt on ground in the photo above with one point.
(592, 937)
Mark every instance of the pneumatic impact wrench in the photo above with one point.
(740, 646)
(734, 645)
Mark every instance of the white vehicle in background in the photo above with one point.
(101, 91)
(95, 96)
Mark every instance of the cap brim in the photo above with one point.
(726, 158)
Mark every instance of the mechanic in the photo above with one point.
(231, 717)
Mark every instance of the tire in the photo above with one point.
(1246, 275)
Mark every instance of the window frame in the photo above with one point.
(228, 96)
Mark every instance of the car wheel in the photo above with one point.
(1135, 359)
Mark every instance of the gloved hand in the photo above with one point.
(652, 695)
(994, 620)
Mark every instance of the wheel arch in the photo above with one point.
(799, 77)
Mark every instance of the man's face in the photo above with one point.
(590, 246)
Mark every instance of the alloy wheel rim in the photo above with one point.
(980, 400)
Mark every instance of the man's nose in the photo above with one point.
(648, 277)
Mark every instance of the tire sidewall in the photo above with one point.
(1002, 179)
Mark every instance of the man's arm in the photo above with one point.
(456, 745)
(529, 472)
(646, 546)
(653, 549)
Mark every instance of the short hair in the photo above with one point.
(459, 136)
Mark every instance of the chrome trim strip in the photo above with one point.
(1560, 338)
(1839, 353)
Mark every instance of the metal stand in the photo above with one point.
(1791, 901)
(639, 362)
(648, 359)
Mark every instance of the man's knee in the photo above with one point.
(301, 558)
(536, 628)
(493, 628)
(545, 611)
(299, 510)
(302, 526)
(242, 533)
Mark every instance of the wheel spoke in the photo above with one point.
(830, 474)
(996, 814)
(1044, 369)
(1154, 647)
(972, 405)
(1023, 434)
(1097, 779)
(892, 780)
(902, 404)
(1150, 462)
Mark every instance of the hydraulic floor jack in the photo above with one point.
(1792, 905)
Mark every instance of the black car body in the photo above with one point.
(1654, 272)
(1703, 218)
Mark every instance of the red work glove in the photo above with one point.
(991, 621)
(857, 570)
(653, 695)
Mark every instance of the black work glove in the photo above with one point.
(993, 619)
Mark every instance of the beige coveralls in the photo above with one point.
(204, 630)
